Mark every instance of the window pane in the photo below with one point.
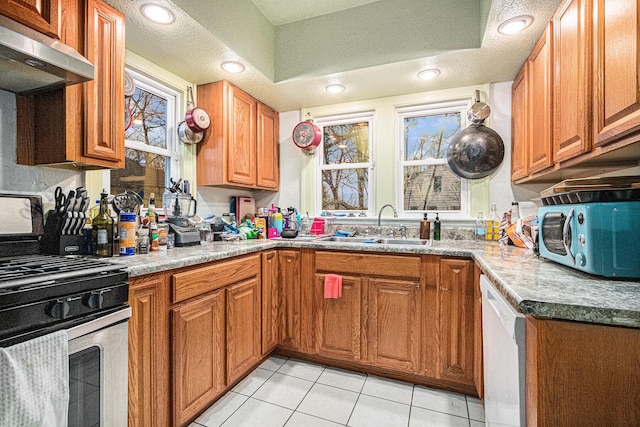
(149, 114)
(431, 188)
(428, 137)
(345, 189)
(348, 143)
(144, 173)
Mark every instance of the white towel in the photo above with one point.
(34, 382)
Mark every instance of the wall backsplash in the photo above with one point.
(16, 178)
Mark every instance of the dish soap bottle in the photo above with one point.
(102, 235)
(436, 227)
(425, 228)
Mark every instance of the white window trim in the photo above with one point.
(320, 167)
(461, 106)
(172, 96)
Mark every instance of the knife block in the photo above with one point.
(53, 242)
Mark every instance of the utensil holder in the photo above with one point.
(53, 242)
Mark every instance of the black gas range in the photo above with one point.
(40, 294)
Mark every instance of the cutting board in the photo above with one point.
(591, 184)
(245, 206)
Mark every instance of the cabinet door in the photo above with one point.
(268, 152)
(572, 81)
(149, 351)
(104, 96)
(540, 155)
(241, 144)
(270, 301)
(337, 321)
(456, 316)
(198, 334)
(616, 91)
(393, 323)
(41, 15)
(290, 264)
(243, 327)
(519, 125)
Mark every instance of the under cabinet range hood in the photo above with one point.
(31, 61)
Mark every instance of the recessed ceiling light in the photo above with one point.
(334, 88)
(429, 74)
(157, 13)
(232, 66)
(515, 25)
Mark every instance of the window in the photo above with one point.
(150, 141)
(345, 166)
(427, 183)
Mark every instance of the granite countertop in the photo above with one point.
(533, 285)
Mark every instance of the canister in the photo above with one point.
(127, 233)
(163, 233)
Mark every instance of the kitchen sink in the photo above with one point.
(376, 241)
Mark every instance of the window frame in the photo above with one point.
(172, 97)
(339, 119)
(460, 106)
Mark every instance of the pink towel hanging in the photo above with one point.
(332, 286)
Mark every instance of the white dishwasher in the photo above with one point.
(503, 332)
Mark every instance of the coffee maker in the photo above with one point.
(179, 206)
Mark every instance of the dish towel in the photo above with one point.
(34, 382)
(332, 286)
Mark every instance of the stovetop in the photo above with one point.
(23, 271)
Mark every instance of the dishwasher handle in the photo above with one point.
(512, 320)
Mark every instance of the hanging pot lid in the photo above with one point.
(306, 135)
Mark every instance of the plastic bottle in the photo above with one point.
(436, 227)
(479, 230)
(153, 238)
(515, 212)
(102, 235)
(151, 211)
(492, 227)
(425, 228)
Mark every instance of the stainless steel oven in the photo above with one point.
(98, 371)
(42, 296)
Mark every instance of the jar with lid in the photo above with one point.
(142, 242)
(163, 233)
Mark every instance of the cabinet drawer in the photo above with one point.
(362, 263)
(195, 282)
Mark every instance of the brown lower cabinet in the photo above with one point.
(198, 354)
(197, 331)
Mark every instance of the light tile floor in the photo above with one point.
(290, 392)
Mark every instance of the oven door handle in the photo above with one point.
(565, 237)
(99, 323)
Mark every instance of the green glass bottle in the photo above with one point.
(102, 235)
(436, 228)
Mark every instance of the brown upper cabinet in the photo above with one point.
(540, 90)
(590, 49)
(80, 126)
(40, 15)
(240, 149)
(572, 80)
(617, 68)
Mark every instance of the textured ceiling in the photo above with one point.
(291, 52)
(280, 12)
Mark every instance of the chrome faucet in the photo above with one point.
(395, 215)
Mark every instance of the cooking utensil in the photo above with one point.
(129, 201)
(307, 135)
(476, 151)
(61, 200)
(196, 118)
(186, 135)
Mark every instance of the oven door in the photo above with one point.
(556, 234)
(98, 371)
